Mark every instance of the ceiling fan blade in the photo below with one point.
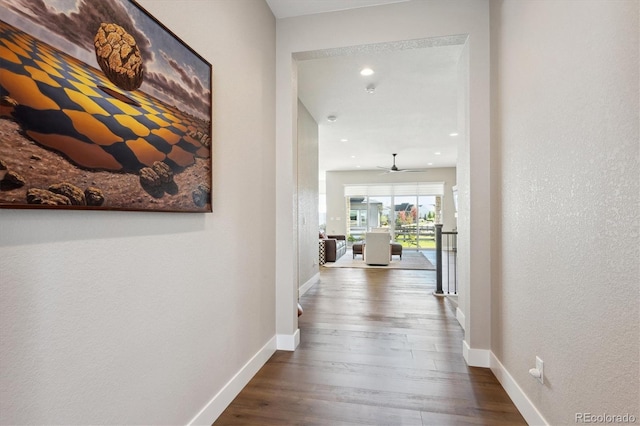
(395, 169)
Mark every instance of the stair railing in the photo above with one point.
(451, 263)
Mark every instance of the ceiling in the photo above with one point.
(412, 111)
(290, 8)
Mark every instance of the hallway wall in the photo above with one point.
(142, 318)
(566, 191)
(308, 228)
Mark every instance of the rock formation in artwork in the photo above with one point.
(94, 196)
(72, 192)
(119, 56)
(44, 197)
(163, 171)
(201, 195)
(65, 194)
(149, 178)
(7, 106)
(3, 169)
(13, 180)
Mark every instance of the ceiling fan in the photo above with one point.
(395, 169)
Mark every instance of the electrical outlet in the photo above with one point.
(540, 368)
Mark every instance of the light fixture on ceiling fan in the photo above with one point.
(395, 169)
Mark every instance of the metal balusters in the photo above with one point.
(451, 252)
(438, 259)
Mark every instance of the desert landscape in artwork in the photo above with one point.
(132, 133)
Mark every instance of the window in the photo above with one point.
(409, 211)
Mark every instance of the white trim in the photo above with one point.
(288, 342)
(460, 317)
(475, 357)
(307, 286)
(517, 395)
(223, 398)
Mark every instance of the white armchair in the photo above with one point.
(377, 250)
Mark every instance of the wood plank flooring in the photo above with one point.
(377, 348)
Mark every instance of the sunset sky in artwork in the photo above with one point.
(173, 73)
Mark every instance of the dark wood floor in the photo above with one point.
(377, 348)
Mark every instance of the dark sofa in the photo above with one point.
(334, 247)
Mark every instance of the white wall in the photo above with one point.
(141, 318)
(566, 142)
(394, 22)
(307, 197)
(336, 206)
(463, 179)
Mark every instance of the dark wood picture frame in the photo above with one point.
(102, 107)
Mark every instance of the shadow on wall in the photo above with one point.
(54, 225)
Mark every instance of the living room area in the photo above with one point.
(407, 211)
(378, 131)
(408, 221)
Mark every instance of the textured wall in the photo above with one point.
(141, 318)
(307, 195)
(565, 124)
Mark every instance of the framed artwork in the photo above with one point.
(101, 108)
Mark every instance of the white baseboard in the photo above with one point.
(288, 342)
(487, 359)
(517, 395)
(476, 357)
(460, 317)
(223, 398)
(310, 282)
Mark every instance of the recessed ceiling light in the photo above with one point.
(344, 140)
(453, 134)
(429, 164)
(332, 118)
(353, 156)
(437, 153)
(366, 72)
(358, 167)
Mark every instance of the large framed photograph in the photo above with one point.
(101, 108)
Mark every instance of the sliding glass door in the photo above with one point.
(428, 216)
(382, 212)
(410, 219)
(415, 221)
